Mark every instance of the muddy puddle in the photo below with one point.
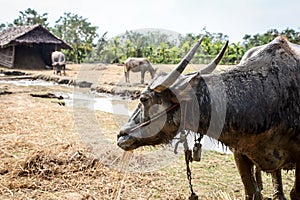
(100, 102)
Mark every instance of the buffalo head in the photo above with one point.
(158, 117)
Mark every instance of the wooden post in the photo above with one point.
(13, 56)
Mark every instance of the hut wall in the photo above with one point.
(7, 56)
(28, 57)
(45, 52)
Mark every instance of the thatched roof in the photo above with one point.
(32, 34)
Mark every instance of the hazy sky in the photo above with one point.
(234, 18)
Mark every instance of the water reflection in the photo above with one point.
(106, 103)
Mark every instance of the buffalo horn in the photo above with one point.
(174, 74)
(212, 66)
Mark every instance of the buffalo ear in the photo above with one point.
(184, 81)
(157, 85)
(183, 87)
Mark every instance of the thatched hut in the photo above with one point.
(28, 47)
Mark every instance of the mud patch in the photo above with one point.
(47, 95)
(58, 98)
(4, 92)
(12, 73)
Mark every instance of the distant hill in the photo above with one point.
(157, 33)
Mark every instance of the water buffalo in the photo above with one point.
(253, 108)
(138, 65)
(58, 62)
(276, 175)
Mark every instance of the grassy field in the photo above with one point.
(45, 155)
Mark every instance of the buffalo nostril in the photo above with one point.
(143, 99)
(122, 133)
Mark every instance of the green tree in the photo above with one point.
(185, 44)
(292, 35)
(77, 32)
(100, 47)
(150, 53)
(2, 26)
(115, 49)
(207, 49)
(138, 42)
(234, 53)
(163, 53)
(31, 17)
(128, 49)
(260, 39)
(174, 55)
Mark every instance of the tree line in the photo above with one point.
(158, 46)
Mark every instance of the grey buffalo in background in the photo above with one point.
(58, 62)
(254, 106)
(138, 65)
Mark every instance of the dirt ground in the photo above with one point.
(46, 150)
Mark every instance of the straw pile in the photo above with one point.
(42, 157)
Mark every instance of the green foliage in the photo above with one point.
(157, 46)
(100, 47)
(234, 53)
(31, 17)
(77, 32)
(292, 35)
(2, 26)
(261, 39)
